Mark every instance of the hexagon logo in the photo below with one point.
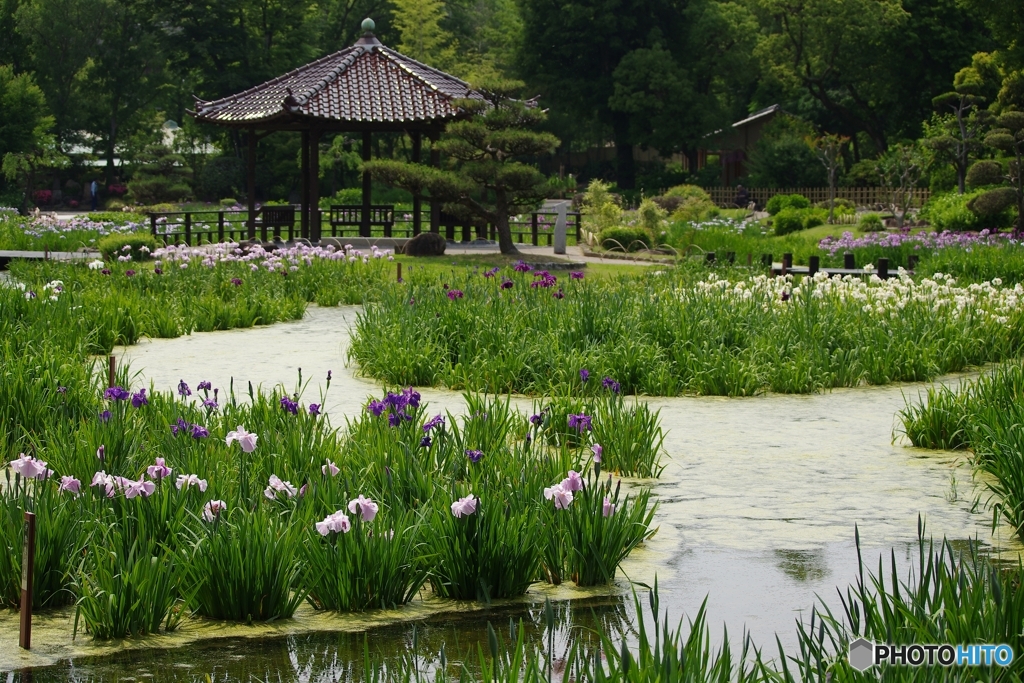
(862, 654)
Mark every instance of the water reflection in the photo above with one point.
(803, 565)
(341, 657)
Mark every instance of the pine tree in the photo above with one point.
(484, 177)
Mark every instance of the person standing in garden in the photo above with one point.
(94, 193)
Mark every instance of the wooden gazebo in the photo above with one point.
(365, 88)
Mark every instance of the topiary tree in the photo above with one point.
(900, 171)
(954, 136)
(829, 148)
(1008, 137)
(161, 176)
(485, 176)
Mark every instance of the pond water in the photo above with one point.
(759, 502)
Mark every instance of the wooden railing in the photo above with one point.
(283, 222)
(861, 196)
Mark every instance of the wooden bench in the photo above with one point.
(351, 215)
(277, 217)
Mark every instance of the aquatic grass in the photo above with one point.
(58, 518)
(245, 566)
(126, 586)
(684, 331)
(377, 564)
(484, 549)
(589, 528)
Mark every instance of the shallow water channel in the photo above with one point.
(759, 501)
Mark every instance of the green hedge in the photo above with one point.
(112, 246)
(786, 201)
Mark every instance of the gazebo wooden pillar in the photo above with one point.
(363, 89)
(417, 201)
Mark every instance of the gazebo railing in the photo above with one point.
(282, 222)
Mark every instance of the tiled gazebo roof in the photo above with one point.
(366, 85)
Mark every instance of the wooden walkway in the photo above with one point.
(7, 256)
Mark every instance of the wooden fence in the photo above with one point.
(861, 196)
(205, 227)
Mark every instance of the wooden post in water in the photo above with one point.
(28, 561)
(883, 268)
(812, 266)
(848, 261)
(111, 371)
(399, 271)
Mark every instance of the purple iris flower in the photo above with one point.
(158, 271)
(436, 421)
(492, 272)
(581, 423)
(139, 399)
(237, 282)
(412, 397)
(314, 409)
(105, 271)
(116, 394)
(210, 403)
(785, 296)
(559, 294)
(576, 275)
(584, 375)
(394, 420)
(537, 419)
(377, 408)
(183, 389)
(521, 267)
(200, 432)
(179, 426)
(61, 389)
(129, 273)
(474, 455)
(454, 294)
(105, 416)
(290, 405)
(425, 442)
(328, 375)
(507, 284)
(204, 385)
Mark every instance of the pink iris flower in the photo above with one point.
(364, 507)
(573, 482)
(186, 480)
(331, 468)
(561, 496)
(138, 488)
(30, 468)
(245, 439)
(337, 522)
(71, 485)
(465, 506)
(277, 486)
(212, 510)
(607, 509)
(158, 470)
(598, 451)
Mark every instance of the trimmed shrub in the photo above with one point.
(843, 207)
(228, 201)
(983, 173)
(114, 205)
(688, 193)
(788, 220)
(117, 217)
(222, 176)
(871, 222)
(990, 204)
(952, 211)
(786, 201)
(651, 215)
(630, 239)
(426, 244)
(113, 246)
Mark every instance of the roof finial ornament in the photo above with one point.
(368, 25)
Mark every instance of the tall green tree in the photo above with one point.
(485, 177)
(127, 70)
(24, 117)
(61, 36)
(571, 49)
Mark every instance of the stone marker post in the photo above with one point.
(563, 209)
